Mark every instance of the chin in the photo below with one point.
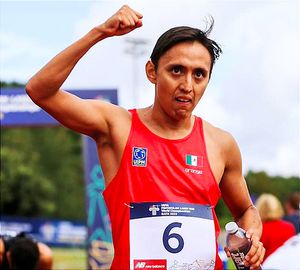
(182, 114)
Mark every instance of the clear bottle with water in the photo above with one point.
(238, 244)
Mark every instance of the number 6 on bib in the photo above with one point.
(167, 236)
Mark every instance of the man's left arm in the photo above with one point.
(236, 196)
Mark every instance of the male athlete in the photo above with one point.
(164, 168)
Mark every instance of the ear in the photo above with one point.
(150, 72)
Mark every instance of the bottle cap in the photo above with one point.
(231, 227)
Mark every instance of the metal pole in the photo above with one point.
(136, 50)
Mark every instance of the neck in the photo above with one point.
(165, 125)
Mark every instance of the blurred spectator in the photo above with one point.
(23, 253)
(275, 230)
(292, 210)
(285, 257)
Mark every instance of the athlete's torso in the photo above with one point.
(161, 202)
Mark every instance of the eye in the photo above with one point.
(177, 69)
(198, 73)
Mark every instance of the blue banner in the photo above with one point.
(17, 109)
(59, 233)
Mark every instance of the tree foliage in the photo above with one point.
(13, 84)
(281, 187)
(259, 183)
(42, 173)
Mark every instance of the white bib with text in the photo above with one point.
(174, 236)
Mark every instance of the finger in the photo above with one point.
(256, 260)
(262, 255)
(128, 20)
(137, 14)
(131, 12)
(250, 257)
(227, 252)
(125, 22)
(134, 18)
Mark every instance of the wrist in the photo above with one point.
(101, 32)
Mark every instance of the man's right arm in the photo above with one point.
(85, 116)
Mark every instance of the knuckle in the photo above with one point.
(254, 259)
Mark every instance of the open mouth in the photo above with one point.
(183, 100)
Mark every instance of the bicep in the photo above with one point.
(82, 115)
(233, 185)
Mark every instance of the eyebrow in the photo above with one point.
(202, 69)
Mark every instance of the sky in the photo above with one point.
(254, 92)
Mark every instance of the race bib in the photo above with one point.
(174, 236)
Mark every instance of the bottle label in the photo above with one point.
(238, 259)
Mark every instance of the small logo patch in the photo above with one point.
(196, 161)
(139, 156)
(154, 209)
(150, 264)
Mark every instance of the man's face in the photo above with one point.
(181, 78)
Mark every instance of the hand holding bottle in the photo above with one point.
(244, 248)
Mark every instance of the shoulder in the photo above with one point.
(289, 225)
(223, 139)
(111, 110)
(116, 117)
(46, 256)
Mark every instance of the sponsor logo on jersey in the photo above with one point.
(150, 264)
(188, 170)
(139, 156)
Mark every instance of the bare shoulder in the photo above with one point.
(221, 138)
(44, 250)
(113, 113)
(117, 118)
(46, 257)
(222, 150)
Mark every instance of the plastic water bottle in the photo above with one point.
(238, 244)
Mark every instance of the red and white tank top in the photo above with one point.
(161, 203)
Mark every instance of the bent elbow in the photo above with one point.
(29, 88)
(34, 91)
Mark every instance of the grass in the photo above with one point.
(69, 259)
(230, 265)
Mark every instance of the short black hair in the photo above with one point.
(24, 254)
(181, 34)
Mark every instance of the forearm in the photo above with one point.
(250, 220)
(50, 78)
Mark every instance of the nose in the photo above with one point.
(187, 84)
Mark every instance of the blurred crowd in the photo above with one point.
(280, 235)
